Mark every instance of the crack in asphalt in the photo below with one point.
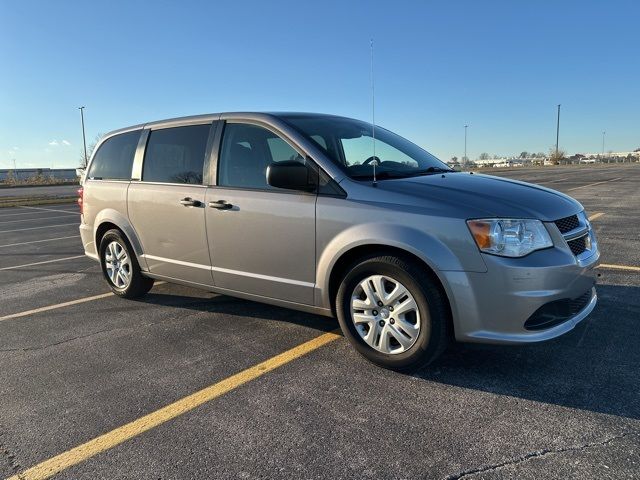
(11, 458)
(536, 454)
(67, 340)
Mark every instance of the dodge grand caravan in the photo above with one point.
(297, 210)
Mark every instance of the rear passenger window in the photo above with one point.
(176, 155)
(114, 158)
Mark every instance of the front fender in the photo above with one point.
(428, 248)
(110, 215)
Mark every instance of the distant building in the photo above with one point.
(26, 173)
(617, 155)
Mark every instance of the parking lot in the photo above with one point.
(82, 368)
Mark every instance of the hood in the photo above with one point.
(485, 195)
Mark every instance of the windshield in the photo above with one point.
(350, 145)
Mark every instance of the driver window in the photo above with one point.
(247, 150)
(358, 150)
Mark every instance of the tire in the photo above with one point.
(420, 335)
(114, 245)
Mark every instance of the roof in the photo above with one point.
(210, 117)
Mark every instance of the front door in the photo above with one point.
(167, 206)
(262, 239)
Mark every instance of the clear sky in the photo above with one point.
(499, 66)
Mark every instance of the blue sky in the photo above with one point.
(501, 67)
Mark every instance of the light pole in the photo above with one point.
(557, 131)
(603, 134)
(464, 159)
(84, 139)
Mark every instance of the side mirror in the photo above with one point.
(292, 175)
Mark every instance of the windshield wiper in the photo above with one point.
(389, 174)
(434, 170)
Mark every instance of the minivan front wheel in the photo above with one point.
(393, 312)
(120, 266)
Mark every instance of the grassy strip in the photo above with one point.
(35, 184)
(17, 202)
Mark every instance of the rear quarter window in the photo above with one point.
(114, 158)
(176, 155)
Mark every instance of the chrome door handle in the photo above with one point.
(190, 202)
(221, 205)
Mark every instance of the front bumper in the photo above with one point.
(493, 307)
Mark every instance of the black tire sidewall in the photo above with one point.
(425, 346)
(136, 277)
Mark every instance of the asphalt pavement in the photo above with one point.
(77, 363)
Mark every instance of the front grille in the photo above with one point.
(567, 224)
(556, 312)
(578, 245)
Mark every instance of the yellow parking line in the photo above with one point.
(62, 305)
(595, 216)
(596, 183)
(619, 267)
(115, 437)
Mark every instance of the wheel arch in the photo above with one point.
(109, 219)
(367, 250)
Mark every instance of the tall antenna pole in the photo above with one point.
(374, 162)
(84, 140)
(464, 159)
(557, 131)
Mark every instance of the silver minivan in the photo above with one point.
(337, 217)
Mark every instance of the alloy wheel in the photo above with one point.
(118, 265)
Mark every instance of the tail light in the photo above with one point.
(80, 198)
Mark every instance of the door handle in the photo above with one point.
(190, 202)
(221, 205)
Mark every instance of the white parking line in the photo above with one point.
(33, 219)
(42, 263)
(36, 228)
(38, 241)
(54, 307)
(62, 305)
(51, 209)
(592, 184)
(23, 214)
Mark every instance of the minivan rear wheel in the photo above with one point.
(120, 266)
(393, 312)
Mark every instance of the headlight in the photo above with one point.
(509, 237)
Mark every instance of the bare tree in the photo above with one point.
(556, 156)
(484, 156)
(90, 148)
